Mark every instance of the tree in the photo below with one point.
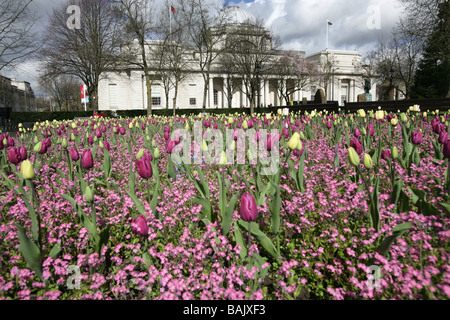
(205, 25)
(17, 39)
(433, 74)
(295, 74)
(173, 52)
(64, 90)
(87, 52)
(326, 70)
(252, 47)
(140, 25)
(228, 67)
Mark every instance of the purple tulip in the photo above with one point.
(446, 149)
(170, 145)
(87, 161)
(269, 142)
(14, 155)
(139, 226)
(443, 137)
(258, 136)
(371, 130)
(10, 142)
(385, 154)
(235, 134)
(144, 167)
(416, 137)
(103, 129)
(167, 129)
(248, 209)
(23, 153)
(98, 133)
(106, 145)
(43, 148)
(250, 124)
(74, 154)
(91, 140)
(357, 133)
(166, 135)
(58, 132)
(122, 130)
(285, 132)
(357, 145)
(215, 125)
(329, 124)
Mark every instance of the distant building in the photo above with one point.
(341, 79)
(16, 95)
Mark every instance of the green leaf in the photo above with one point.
(55, 251)
(170, 170)
(275, 208)
(30, 251)
(206, 207)
(240, 241)
(228, 216)
(398, 187)
(446, 207)
(397, 231)
(137, 203)
(265, 241)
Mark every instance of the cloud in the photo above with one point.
(301, 24)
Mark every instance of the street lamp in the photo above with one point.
(258, 70)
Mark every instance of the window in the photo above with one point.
(156, 95)
(216, 97)
(192, 94)
(112, 95)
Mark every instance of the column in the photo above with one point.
(210, 93)
(266, 92)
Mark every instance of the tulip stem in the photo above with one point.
(249, 236)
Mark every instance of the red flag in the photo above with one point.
(172, 9)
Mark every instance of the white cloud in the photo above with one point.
(302, 24)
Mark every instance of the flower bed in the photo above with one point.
(331, 223)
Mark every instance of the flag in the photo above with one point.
(172, 9)
(329, 23)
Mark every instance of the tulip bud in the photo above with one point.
(156, 153)
(139, 226)
(394, 121)
(204, 146)
(64, 143)
(403, 117)
(88, 195)
(293, 142)
(87, 160)
(367, 161)
(361, 113)
(37, 147)
(394, 152)
(223, 158)
(144, 167)
(248, 209)
(140, 154)
(27, 170)
(353, 156)
(379, 115)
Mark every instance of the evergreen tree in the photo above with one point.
(433, 76)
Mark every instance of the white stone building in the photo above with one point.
(341, 79)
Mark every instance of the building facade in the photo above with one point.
(338, 75)
(16, 95)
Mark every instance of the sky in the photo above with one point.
(301, 24)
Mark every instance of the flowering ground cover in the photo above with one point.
(358, 208)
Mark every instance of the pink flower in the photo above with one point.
(248, 209)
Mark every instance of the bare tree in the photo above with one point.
(174, 53)
(228, 67)
(252, 47)
(205, 25)
(63, 89)
(86, 52)
(295, 74)
(327, 67)
(17, 39)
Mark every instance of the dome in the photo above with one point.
(236, 15)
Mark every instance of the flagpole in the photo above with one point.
(327, 36)
(170, 20)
